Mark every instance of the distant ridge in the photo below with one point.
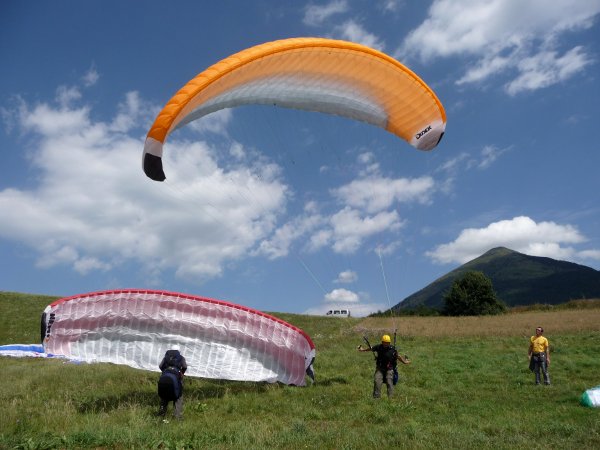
(518, 279)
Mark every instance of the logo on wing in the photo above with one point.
(421, 133)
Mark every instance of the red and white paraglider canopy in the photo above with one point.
(218, 339)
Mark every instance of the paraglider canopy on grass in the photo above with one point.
(218, 339)
(591, 397)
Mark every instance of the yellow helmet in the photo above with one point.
(386, 338)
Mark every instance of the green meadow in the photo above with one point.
(468, 387)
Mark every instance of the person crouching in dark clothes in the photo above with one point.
(170, 383)
(385, 365)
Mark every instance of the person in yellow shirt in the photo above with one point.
(539, 356)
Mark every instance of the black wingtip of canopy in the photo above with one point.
(440, 138)
(153, 167)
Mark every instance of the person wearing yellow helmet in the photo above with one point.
(386, 357)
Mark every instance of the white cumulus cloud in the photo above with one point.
(317, 14)
(376, 193)
(521, 234)
(353, 31)
(521, 39)
(342, 295)
(346, 277)
(350, 228)
(92, 209)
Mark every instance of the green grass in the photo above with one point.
(459, 392)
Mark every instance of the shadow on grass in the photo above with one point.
(107, 403)
(205, 389)
(193, 390)
(331, 381)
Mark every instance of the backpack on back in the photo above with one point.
(170, 387)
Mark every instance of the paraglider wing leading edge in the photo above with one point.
(313, 74)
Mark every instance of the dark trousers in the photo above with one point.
(177, 405)
(539, 366)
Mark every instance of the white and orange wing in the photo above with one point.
(315, 74)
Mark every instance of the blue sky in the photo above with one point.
(284, 210)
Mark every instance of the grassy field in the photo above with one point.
(468, 387)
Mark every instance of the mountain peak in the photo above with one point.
(518, 279)
(499, 251)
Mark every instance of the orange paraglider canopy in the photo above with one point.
(314, 74)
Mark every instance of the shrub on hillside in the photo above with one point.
(472, 295)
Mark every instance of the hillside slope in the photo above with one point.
(518, 279)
